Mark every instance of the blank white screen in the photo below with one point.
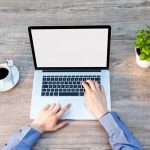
(70, 47)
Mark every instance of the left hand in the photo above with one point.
(47, 119)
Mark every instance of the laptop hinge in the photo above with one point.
(71, 70)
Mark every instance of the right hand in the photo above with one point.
(95, 98)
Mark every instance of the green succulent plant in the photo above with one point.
(142, 43)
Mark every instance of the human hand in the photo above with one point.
(95, 98)
(48, 118)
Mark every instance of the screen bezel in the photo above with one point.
(70, 27)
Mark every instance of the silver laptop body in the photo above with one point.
(64, 56)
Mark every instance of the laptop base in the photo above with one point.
(78, 110)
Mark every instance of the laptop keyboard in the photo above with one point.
(65, 85)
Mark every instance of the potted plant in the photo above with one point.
(142, 47)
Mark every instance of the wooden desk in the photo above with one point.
(130, 85)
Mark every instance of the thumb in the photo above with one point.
(61, 124)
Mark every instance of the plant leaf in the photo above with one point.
(143, 56)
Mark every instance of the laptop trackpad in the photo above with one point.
(78, 110)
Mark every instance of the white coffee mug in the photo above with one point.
(8, 77)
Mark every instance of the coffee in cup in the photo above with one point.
(3, 73)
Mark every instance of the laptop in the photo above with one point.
(64, 56)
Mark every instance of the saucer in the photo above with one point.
(10, 84)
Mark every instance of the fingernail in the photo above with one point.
(69, 105)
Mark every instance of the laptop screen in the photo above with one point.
(70, 47)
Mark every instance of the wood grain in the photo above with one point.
(129, 83)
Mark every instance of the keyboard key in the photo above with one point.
(75, 86)
(51, 94)
(43, 94)
(66, 86)
(82, 94)
(47, 93)
(64, 90)
(55, 94)
(56, 79)
(44, 79)
(72, 90)
(44, 86)
(50, 86)
(69, 94)
(79, 86)
(56, 90)
(81, 90)
(44, 82)
(43, 90)
(71, 86)
(48, 90)
(58, 82)
(77, 90)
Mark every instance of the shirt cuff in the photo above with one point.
(30, 137)
(108, 122)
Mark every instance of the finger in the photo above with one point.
(63, 110)
(102, 89)
(92, 84)
(52, 106)
(97, 85)
(56, 108)
(60, 125)
(86, 87)
(46, 107)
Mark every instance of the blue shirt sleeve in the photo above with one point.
(120, 137)
(24, 139)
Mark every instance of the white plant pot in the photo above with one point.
(141, 63)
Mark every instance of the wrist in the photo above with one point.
(37, 127)
(102, 113)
